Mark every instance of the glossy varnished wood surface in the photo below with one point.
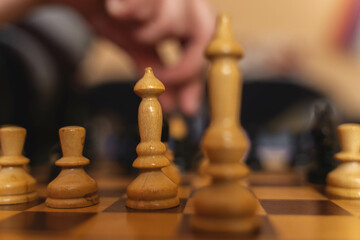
(152, 188)
(288, 208)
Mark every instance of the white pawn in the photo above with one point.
(73, 187)
(16, 185)
(344, 181)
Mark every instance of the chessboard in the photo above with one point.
(288, 208)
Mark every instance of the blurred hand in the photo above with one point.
(139, 25)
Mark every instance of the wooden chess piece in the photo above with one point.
(152, 189)
(204, 164)
(225, 206)
(178, 129)
(344, 181)
(172, 171)
(16, 185)
(73, 187)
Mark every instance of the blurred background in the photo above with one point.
(301, 73)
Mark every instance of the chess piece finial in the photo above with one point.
(344, 181)
(223, 42)
(152, 189)
(73, 187)
(224, 206)
(16, 185)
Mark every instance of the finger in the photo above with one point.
(190, 66)
(119, 9)
(191, 97)
(168, 101)
(161, 25)
(152, 32)
(193, 61)
(131, 10)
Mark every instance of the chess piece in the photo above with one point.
(172, 171)
(152, 189)
(16, 185)
(204, 164)
(73, 187)
(344, 181)
(177, 128)
(225, 206)
(323, 132)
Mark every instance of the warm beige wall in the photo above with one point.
(308, 21)
(309, 26)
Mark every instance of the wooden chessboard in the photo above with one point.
(288, 209)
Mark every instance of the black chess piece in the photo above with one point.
(325, 144)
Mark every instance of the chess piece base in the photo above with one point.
(240, 225)
(346, 175)
(72, 188)
(225, 207)
(16, 199)
(201, 181)
(153, 205)
(16, 186)
(152, 190)
(344, 181)
(173, 172)
(73, 202)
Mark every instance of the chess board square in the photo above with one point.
(274, 179)
(352, 206)
(259, 208)
(185, 231)
(44, 221)
(129, 226)
(300, 193)
(6, 214)
(104, 203)
(316, 227)
(302, 207)
(119, 206)
(189, 208)
(184, 192)
(21, 206)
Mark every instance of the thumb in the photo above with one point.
(168, 101)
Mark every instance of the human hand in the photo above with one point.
(139, 25)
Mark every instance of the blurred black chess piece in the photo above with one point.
(266, 100)
(323, 132)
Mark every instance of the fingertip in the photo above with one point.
(150, 33)
(191, 98)
(190, 109)
(167, 102)
(117, 8)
